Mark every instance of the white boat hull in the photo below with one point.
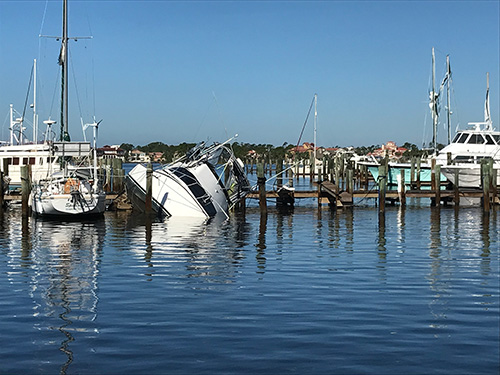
(68, 204)
(197, 194)
(469, 175)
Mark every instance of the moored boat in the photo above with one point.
(75, 189)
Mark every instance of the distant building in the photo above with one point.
(389, 149)
(111, 152)
(137, 156)
(156, 157)
(305, 147)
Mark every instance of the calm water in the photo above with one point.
(310, 292)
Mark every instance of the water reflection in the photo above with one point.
(64, 266)
(210, 249)
(261, 244)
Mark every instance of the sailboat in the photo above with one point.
(74, 190)
(396, 168)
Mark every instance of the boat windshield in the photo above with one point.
(489, 139)
(460, 138)
(476, 139)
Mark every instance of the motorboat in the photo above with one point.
(206, 182)
(463, 156)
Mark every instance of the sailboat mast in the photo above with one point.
(35, 117)
(63, 61)
(315, 123)
(433, 103)
(448, 112)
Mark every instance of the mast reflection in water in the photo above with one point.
(335, 292)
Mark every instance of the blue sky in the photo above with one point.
(185, 71)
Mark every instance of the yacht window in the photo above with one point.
(496, 137)
(25, 161)
(489, 140)
(455, 140)
(15, 161)
(32, 161)
(9, 161)
(476, 139)
(463, 137)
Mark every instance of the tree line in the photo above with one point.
(241, 150)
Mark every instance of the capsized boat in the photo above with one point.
(205, 182)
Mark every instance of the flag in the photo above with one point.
(62, 54)
(487, 117)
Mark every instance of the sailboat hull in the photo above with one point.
(68, 204)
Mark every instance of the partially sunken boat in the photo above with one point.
(206, 182)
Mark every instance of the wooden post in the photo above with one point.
(494, 182)
(412, 171)
(438, 184)
(312, 169)
(1, 192)
(290, 174)
(261, 182)
(342, 170)
(418, 174)
(148, 201)
(402, 188)
(6, 167)
(433, 174)
(325, 176)
(486, 184)
(382, 185)
(279, 172)
(350, 181)
(25, 189)
(455, 188)
(116, 165)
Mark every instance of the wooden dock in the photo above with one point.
(328, 192)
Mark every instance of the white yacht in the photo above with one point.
(469, 147)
